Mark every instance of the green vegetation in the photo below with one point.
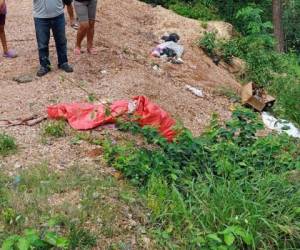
(227, 189)
(79, 208)
(7, 144)
(278, 73)
(54, 129)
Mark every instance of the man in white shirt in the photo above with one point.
(49, 15)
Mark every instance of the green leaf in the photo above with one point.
(23, 244)
(229, 239)
(9, 242)
(62, 242)
(214, 237)
(51, 238)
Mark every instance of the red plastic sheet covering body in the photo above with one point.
(83, 116)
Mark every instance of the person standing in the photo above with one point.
(70, 10)
(8, 53)
(86, 14)
(49, 15)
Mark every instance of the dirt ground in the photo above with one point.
(126, 31)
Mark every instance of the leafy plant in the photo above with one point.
(208, 43)
(32, 239)
(214, 191)
(7, 144)
(55, 129)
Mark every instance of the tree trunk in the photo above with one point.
(277, 22)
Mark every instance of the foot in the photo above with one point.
(77, 51)
(66, 67)
(92, 51)
(42, 71)
(10, 54)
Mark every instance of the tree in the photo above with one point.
(277, 22)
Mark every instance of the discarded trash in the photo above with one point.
(256, 97)
(280, 125)
(195, 91)
(83, 116)
(169, 48)
(171, 37)
(28, 121)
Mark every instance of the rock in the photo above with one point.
(23, 79)
(223, 30)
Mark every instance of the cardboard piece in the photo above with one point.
(256, 97)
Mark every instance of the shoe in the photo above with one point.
(66, 67)
(92, 51)
(42, 71)
(10, 54)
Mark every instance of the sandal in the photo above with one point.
(92, 51)
(75, 26)
(77, 51)
(10, 54)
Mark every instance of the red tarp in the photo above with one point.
(83, 116)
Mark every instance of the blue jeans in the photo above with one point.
(42, 30)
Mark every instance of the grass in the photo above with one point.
(81, 204)
(226, 189)
(7, 144)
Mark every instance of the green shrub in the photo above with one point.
(32, 239)
(208, 43)
(7, 144)
(215, 190)
(196, 11)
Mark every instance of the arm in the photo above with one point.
(2, 2)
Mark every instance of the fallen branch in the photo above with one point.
(27, 121)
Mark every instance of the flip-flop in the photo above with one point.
(77, 51)
(10, 54)
(75, 26)
(92, 51)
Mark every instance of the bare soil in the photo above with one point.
(126, 31)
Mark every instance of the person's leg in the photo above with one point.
(3, 39)
(42, 30)
(81, 9)
(70, 11)
(59, 34)
(2, 33)
(92, 8)
(90, 35)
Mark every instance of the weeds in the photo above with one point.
(7, 144)
(54, 129)
(70, 209)
(222, 190)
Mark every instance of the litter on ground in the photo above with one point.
(84, 116)
(280, 125)
(256, 97)
(169, 49)
(195, 91)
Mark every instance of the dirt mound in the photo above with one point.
(126, 31)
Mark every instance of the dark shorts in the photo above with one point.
(67, 2)
(2, 19)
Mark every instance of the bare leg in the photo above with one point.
(90, 34)
(3, 39)
(82, 32)
(71, 14)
